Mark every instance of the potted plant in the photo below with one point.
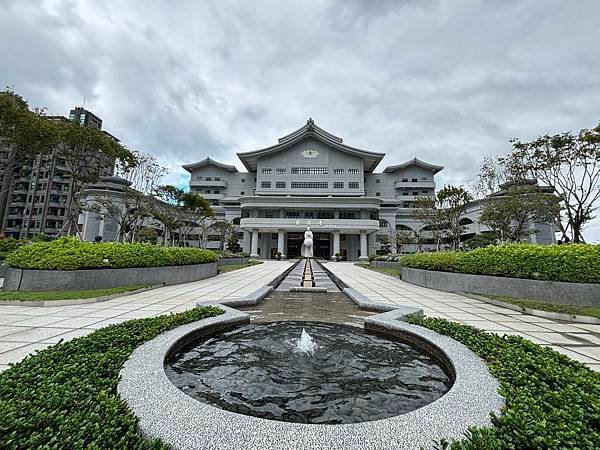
(338, 257)
(278, 256)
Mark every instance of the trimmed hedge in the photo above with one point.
(72, 254)
(575, 263)
(66, 395)
(552, 401)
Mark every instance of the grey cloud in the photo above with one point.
(448, 81)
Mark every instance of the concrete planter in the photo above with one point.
(583, 294)
(75, 280)
(231, 261)
(385, 265)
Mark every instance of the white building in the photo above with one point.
(311, 178)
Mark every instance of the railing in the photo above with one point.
(414, 184)
(218, 183)
(318, 225)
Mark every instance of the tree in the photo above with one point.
(511, 212)
(385, 242)
(27, 133)
(87, 153)
(568, 162)
(442, 213)
(180, 212)
(224, 231)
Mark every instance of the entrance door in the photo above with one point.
(321, 245)
(294, 244)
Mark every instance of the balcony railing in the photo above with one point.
(316, 225)
(202, 183)
(414, 184)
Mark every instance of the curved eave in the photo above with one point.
(207, 162)
(371, 159)
(413, 162)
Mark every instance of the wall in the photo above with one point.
(549, 291)
(75, 280)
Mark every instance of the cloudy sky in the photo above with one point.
(446, 81)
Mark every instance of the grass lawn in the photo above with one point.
(232, 267)
(592, 311)
(66, 295)
(393, 272)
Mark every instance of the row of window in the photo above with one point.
(309, 185)
(308, 171)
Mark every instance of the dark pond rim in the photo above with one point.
(183, 422)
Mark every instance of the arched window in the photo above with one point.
(403, 227)
(465, 221)
(236, 221)
(383, 223)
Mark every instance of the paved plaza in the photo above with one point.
(24, 329)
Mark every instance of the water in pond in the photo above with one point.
(348, 375)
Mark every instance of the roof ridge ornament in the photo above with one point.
(310, 123)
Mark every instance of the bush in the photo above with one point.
(71, 254)
(576, 263)
(479, 241)
(66, 395)
(9, 244)
(552, 401)
(389, 258)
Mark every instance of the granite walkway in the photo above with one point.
(25, 329)
(578, 341)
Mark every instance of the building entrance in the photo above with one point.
(321, 245)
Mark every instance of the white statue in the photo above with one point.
(307, 245)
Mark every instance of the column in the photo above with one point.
(364, 252)
(336, 244)
(254, 244)
(281, 243)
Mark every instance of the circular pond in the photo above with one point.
(308, 372)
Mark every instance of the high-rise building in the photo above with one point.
(39, 190)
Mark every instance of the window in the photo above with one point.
(377, 194)
(353, 171)
(415, 180)
(217, 192)
(267, 170)
(265, 184)
(415, 193)
(424, 192)
(338, 171)
(208, 178)
(377, 180)
(280, 184)
(243, 180)
(207, 191)
(242, 193)
(217, 178)
(309, 185)
(310, 170)
(383, 224)
(423, 178)
(338, 185)
(404, 180)
(353, 184)
(405, 193)
(292, 214)
(280, 170)
(347, 215)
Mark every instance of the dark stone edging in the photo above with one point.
(76, 301)
(184, 423)
(232, 261)
(558, 292)
(77, 280)
(385, 264)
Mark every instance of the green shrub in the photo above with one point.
(552, 401)
(71, 254)
(66, 395)
(576, 263)
(8, 244)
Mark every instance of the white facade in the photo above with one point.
(310, 177)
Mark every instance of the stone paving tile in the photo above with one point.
(7, 319)
(33, 335)
(18, 354)
(68, 335)
(76, 322)
(7, 330)
(38, 321)
(8, 346)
